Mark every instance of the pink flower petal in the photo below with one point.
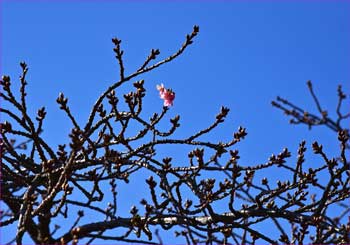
(166, 94)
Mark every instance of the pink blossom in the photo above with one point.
(166, 94)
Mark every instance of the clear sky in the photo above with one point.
(246, 54)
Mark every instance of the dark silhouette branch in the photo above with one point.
(41, 184)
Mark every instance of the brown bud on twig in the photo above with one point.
(343, 136)
(264, 181)
(227, 231)
(166, 166)
(112, 99)
(106, 138)
(62, 101)
(41, 114)
(139, 86)
(154, 53)
(6, 127)
(150, 181)
(309, 83)
(6, 83)
(62, 154)
(316, 148)
(128, 97)
(188, 204)
(80, 213)
(116, 41)
(76, 140)
(101, 111)
(223, 113)
(284, 239)
(240, 134)
(23, 65)
(134, 210)
(175, 121)
(341, 93)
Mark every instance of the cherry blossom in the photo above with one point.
(166, 94)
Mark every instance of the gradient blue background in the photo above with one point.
(246, 54)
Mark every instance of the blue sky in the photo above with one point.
(246, 54)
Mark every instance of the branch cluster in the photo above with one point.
(40, 183)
